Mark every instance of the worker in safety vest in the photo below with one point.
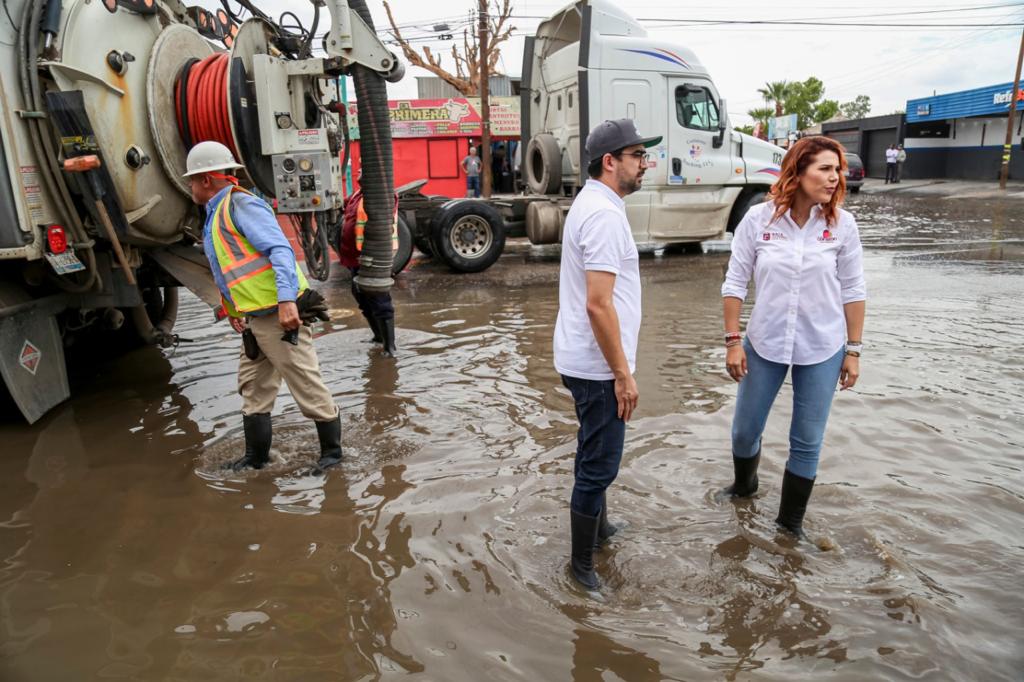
(376, 307)
(254, 267)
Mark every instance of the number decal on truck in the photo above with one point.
(777, 158)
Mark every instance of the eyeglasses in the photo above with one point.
(639, 154)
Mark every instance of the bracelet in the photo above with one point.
(853, 353)
(733, 342)
(729, 336)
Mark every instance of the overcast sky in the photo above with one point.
(890, 64)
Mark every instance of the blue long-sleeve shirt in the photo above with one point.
(257, 222)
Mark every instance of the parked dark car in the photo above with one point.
(854, 172)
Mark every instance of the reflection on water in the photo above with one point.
(439, 545)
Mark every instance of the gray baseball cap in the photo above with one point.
(611, 136)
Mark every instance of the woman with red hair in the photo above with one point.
(804, 255)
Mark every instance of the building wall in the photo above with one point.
(868, 138)
(972, 151)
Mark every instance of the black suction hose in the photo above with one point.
(378, 182)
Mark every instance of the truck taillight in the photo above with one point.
(57, 239)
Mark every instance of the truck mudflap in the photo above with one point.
(32, 357)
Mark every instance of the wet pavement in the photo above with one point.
(439, 546)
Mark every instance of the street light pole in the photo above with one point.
(485, 109)
(1004, 172)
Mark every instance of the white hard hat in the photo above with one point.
(209, 156)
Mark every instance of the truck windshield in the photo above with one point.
(695, 108)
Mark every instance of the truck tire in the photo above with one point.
(543, 164)
(743, 204)
(401, 257)
(469, 235)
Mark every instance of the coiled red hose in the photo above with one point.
(201, 102)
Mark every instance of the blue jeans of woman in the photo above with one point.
(599, 441)
(813, 389)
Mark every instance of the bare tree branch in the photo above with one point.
(466, 79)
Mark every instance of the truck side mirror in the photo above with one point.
(723, 125)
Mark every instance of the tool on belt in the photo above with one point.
(250, 345)
(312, 307)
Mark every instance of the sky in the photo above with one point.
(889, 63)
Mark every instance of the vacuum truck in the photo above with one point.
(100, 103)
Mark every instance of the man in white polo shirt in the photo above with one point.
(597, 328)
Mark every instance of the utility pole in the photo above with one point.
(1004, 172)
(485, 109)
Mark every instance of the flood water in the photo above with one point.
(439, 547)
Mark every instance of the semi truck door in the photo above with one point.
(693, 123)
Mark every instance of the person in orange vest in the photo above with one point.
(260, 283)
(376, 307)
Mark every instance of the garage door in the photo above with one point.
(850, 139)
(877, 141)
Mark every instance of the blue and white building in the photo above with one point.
(961, 134)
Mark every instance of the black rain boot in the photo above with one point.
(796, 490)
(375, 328)
(387, 331)
(329, 433)
(584, 535)
(605, 530)
(745, 476)
(258, 436)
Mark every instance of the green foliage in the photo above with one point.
(777, 92)
(749, 130)
(826, 110)
(858, 108)
(803, 99)
(761, 114)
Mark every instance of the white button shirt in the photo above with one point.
(803, 277)
(596, 237)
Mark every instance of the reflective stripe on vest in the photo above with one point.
(361, 219)
(248, 274)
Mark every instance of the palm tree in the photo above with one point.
(761, 114)
(777, 92)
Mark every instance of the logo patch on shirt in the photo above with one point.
(826, 236)
(769, 236)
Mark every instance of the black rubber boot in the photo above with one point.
(745, 475)
(584, 535)
(258, 436)
(329, 433)
(387, 332)
(375, 328)
(605, 530)
(796, 490)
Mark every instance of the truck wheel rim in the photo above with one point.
(471, 237)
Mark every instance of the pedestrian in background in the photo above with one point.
(901, 157)
(804, 254)
(891, 156)
(471, 166)
(376, 307)
(597, 327)
(263, 291)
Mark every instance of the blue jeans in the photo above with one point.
(473, 185)
(813, 389)
(599, 441)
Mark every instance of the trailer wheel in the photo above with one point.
(404, 253)
(469, 235)
(544, 164)
(744, 204)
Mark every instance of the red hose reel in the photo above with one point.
(201, 102)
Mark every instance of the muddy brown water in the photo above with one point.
(438, 548)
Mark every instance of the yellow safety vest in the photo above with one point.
(361, 219)
(248, 273)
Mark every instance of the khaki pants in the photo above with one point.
(259, 380)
